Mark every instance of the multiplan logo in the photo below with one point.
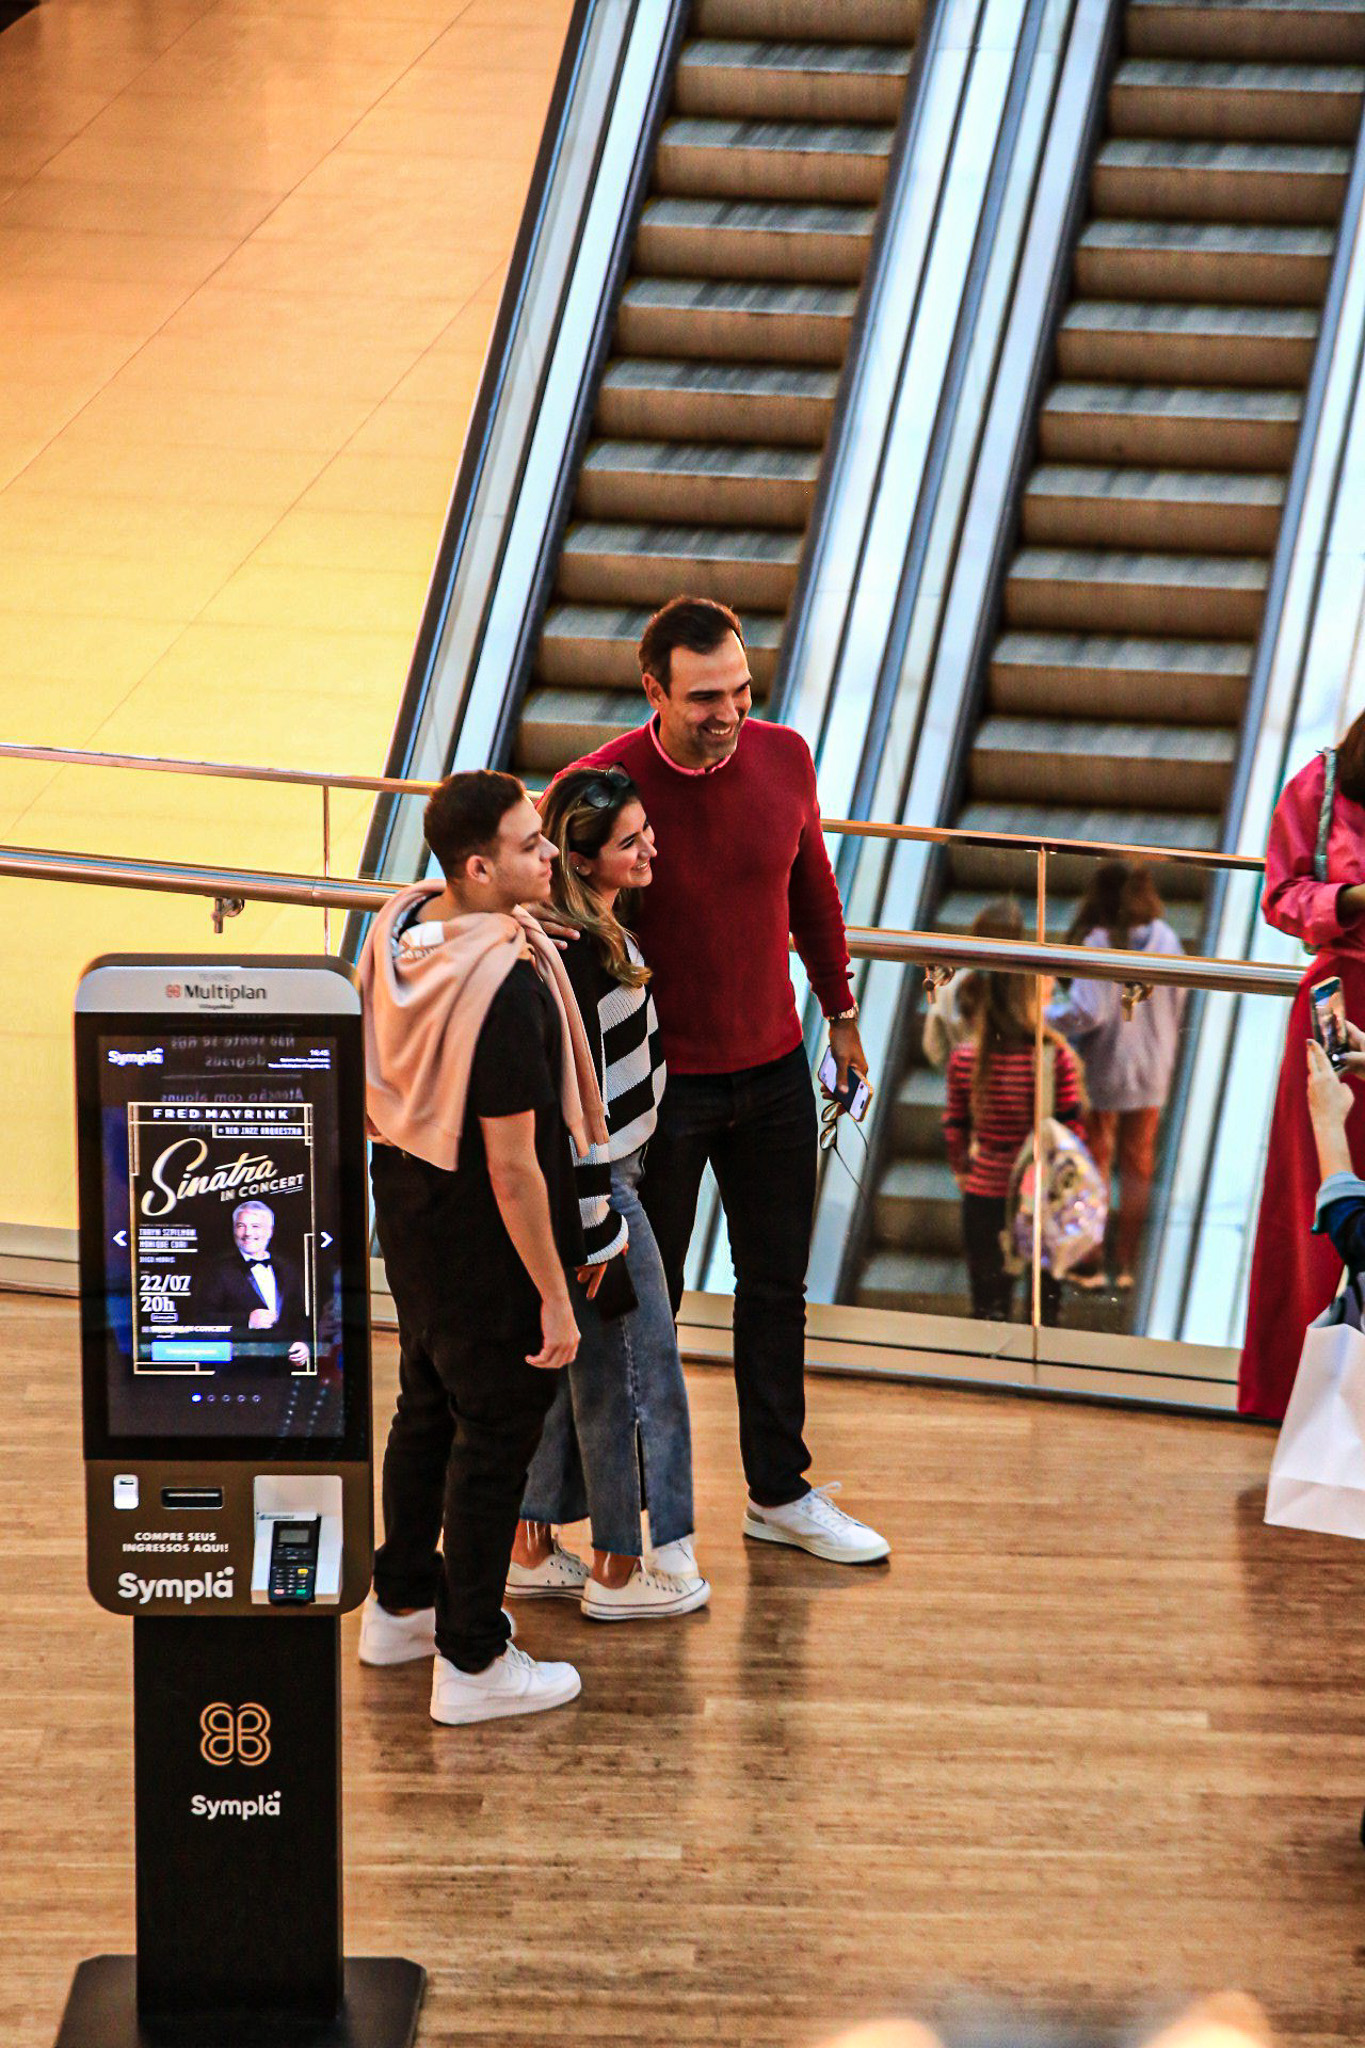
(216, 991)
(234, 1735)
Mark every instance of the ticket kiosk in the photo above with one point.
(229, 1501)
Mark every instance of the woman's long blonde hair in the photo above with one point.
(582, 827)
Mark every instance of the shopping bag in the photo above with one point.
(1317, 1476)
(1074, 1198)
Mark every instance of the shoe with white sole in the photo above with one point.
(648, 1595)
(678, 1557)
(512, 1684)
(395, 1638)
(813, 1523)
(560, 1576)
(400, 1638)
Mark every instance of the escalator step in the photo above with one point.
(1163, 426)
(765, 239)
(1220, 181)
(825, 163)
(1149, 343)
(718, 485)
(1103, 589)
(1001, 871)
(832, 21)
(593, 647)
(960, 906)
(1220, 261)
(1195, 681)
(1256, 30)
(638, 564)
(558, 726)
(934, 1286)
(803, 81)
(917, 1203)
(1031, 760)
(643, 399)
(728, 319)
(1237, 102)
(1206, 510)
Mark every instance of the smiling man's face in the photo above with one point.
(705, 703)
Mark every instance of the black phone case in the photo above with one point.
(616, 1296)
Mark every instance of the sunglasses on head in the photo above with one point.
(605, 788)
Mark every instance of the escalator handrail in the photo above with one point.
(914, 113)
(1292, 516)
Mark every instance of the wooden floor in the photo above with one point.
(1093, 1737)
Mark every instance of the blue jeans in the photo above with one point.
(620, 1413)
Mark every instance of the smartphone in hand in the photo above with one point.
(1329, 1019)
(857, 1094)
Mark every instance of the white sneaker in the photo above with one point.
(560, 1576)
(512, 1684)
(679, 1557)
(395, 1638)
(813, 1523)
(648, 1595)
(400, 1638)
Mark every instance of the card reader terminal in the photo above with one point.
(294, 1560)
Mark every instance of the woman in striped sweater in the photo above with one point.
(619, 1425)
(989, 1115)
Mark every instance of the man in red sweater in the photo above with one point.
(741, 864)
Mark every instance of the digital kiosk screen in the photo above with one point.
(222, 1293)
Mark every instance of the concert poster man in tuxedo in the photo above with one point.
(255, 1290)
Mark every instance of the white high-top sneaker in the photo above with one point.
(813, 1523)
(512, 1684)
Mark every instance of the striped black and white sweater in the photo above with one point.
(623, 1032)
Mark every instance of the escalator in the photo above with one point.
(712, 413)
(1114, 692)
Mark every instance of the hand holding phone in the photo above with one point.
(1329, 1019)
(854, 1096)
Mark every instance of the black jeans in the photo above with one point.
(758, 1130)
(464, 1432)
(983, 1219)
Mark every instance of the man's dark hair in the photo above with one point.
(698, 623)
(463, 815)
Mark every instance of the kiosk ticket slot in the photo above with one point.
(225, 1355)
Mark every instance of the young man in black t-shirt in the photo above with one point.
(476, 1259)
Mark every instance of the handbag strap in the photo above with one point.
(1329, 791)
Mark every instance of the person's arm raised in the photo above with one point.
(524, 1205)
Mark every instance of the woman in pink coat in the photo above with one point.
(1315, 890)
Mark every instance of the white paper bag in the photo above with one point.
(1317, 1476)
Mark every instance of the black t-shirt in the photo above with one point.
(451, 1221)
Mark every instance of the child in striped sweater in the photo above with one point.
(989, 1115)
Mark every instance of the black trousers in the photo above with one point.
(758, 1131)
(992, 1285)
(464, 1432)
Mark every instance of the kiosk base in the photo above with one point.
(382, 1999)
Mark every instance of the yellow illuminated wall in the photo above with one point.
(250, 253)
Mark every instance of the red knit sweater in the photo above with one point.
(741, 864)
